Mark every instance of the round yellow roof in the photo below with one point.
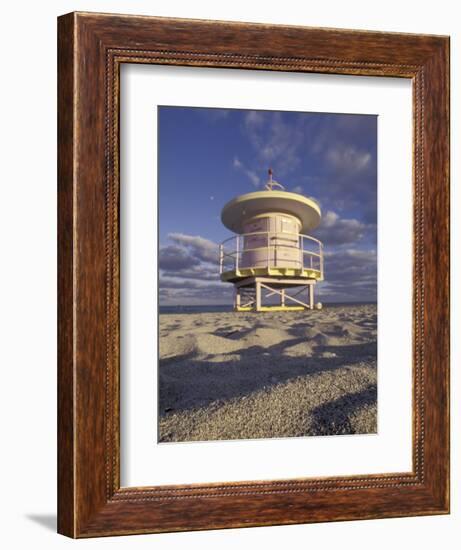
(237, 211)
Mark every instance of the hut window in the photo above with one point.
(287, 226)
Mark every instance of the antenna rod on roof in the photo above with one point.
(270, 184)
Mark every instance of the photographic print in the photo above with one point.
(267, 264)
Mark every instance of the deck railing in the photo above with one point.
(272, 249)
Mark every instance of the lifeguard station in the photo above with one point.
(272, 252)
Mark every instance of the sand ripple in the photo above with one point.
(239, 376)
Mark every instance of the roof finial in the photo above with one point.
(271, 182)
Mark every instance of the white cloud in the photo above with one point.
(250, 174)
(329, 219)
(214, 115)
(189, 271)
(187, 283)
(348, 159)
(334, 230)
(175, 258)
(180, 291)
(198, 247)
(254, 119)
(237, 163)
(275, 142)
(350, 275)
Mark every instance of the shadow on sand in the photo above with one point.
(334, 418)
(189, 382)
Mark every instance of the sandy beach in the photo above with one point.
(247, 375)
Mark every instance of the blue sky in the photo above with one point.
(208, 156)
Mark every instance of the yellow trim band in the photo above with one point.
(270, 272)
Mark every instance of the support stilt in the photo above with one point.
(258, 296)
(237, 298)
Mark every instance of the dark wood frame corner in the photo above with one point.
(91, 48)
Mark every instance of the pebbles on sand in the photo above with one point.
(247, 376)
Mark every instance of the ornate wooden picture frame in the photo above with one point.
(92, 48)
